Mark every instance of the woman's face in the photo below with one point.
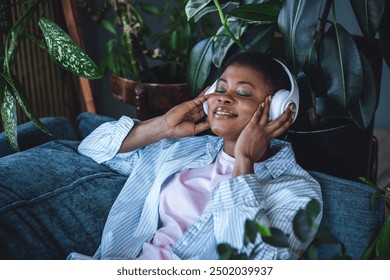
(238, 94)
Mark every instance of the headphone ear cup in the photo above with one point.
(210, 90)
(205, 108)
(278, 100)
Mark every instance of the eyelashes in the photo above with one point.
(240, 93)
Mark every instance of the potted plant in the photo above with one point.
(132, 47)
(334, 69)
(52, 39)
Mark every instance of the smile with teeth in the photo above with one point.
(222, 113)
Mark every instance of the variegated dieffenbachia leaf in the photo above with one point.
(65, 52)
(9, 117)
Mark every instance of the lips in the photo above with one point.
(224, 113)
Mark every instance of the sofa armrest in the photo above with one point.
(348, 215)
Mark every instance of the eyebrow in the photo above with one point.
(239, 83)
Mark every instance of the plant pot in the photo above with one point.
(343, 150)
(149, 99)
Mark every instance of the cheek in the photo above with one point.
(247, 109)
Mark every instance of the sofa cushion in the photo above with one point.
(53, 201)
(348, 215)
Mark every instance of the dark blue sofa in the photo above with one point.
(54, 201)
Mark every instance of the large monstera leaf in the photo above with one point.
(297, 18)
(342, 67)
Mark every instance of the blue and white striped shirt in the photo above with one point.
(273, 195)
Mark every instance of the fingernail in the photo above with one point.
(269, 98)
(262, 105)
(292, 107)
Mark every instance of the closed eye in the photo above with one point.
(243, 93)
(220, 90)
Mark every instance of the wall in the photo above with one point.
(107, 105)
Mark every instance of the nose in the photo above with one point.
(225, 98)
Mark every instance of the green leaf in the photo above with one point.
(297, 22)
(277, 239)
(312, 252)
(368, 14)
(225, 251)
(194, 6)
(384, 33)
(25, 104)
(370, 250)
(342, 68)
(302, 226)
(107, 25)
(382, 247)
(250, 232)
(209, 9)
(149, 8)
(223, 42)
(173, 40)
(258, 38)
(199, 66)
(312, 210)
(362, 111)
(303, 222)
(325, 236)
(263, 12)
(9, 117)
(64, 51)
(263, 230)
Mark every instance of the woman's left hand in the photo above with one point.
(253, 141)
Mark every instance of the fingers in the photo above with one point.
(265, 116)
(200, 127)
(283, 122)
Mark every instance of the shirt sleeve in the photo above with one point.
(105, 141)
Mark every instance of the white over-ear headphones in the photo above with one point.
(280, 100)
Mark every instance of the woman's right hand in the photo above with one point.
(183, 119)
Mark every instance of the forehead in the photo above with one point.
(244, 73)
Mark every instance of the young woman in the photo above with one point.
(186, 194)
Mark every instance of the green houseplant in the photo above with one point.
(336, 80)
(132, 43)
(59, 46)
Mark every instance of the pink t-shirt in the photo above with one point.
(183, 199)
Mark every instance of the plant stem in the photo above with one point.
(226, 27)
(122, 10)
(324, 19)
